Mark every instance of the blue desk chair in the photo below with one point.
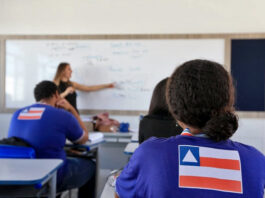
(14, 147)
(12, 151)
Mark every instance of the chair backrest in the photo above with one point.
(11, 151)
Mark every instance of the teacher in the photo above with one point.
(67, 88)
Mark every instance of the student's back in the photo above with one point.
(167, 169)
(47, 132)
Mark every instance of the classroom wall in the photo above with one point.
(137, 17)
(4, 124)
(130, 16)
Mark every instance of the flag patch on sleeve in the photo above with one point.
(209, 168)
(33, 113)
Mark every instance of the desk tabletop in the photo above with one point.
(89, 144)
(131, 147)
(27, 171)
(108, 137)
(119, 137)
(118, 134)
(135, 137)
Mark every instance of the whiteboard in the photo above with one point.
(135, 65)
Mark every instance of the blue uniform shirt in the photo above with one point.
(46, 129)
(188, 166)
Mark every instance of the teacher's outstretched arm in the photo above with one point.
(92, 87)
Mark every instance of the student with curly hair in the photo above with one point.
(202, 161)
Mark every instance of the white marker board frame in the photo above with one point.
(225, 37)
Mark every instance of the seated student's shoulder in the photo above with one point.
(250, 151)
(159, 140)
(154, 144)
(59, 114)
(59, 111)
(162, 140)
(252, 160)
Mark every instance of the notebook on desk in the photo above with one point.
(94, 137)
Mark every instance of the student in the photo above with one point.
(202, 161)
(158, 122)
(67, 88)
(46, 128)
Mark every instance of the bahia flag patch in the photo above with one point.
(33, 113)
(209, 168)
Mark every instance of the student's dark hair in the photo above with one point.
(200, 94)
(60, 69)
(44, 89)
(158, 105)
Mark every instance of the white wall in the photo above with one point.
(136, 17)
(130, 16)
(252, 132)
(4, 124)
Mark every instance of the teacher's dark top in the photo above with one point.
(157, 126)
(71, 98)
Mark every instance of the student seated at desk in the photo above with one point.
(202, 161)
(46, 128)
(159, 121)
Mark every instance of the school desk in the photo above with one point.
(29, 172)
(135, 137)
(108, 191)
(131, 147)
(118, 136)
(87, 150)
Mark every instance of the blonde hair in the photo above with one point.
(60, 69)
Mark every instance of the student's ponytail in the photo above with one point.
(221, 127)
